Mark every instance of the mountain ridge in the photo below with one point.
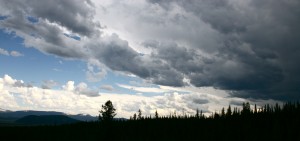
(8, 117)
(46, 120)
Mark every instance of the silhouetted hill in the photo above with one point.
(7, 121)
(20, 114)
(8, 117)
(83, 117)
(46, 120)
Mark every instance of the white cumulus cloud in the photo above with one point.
(69, 100)
(12, 53)
(4, 52)
(16, 54)
(69, 86)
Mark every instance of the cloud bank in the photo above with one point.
(249, 47)
(74, 99)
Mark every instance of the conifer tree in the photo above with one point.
(197, 114)
(223, 112)
(108, 111)
(246, 108)
(156, 115)
(228, 113)
(139, 114)
(201, 114)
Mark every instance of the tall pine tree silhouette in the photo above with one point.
(139, 114)
(108, 111)
(156, 115)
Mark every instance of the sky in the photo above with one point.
(166, 55)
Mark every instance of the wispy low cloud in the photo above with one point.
(4, 52)
(16, 54)
(12, 53)
(74, 99)
(48, 84)
(56, 70)
(145, 89)
(107, 87)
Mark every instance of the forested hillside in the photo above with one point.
(265, 123)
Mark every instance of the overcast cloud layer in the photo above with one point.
(250, 47)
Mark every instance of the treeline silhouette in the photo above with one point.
(269, 122)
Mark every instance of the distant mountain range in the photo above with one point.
(45, 120)
(40, 117)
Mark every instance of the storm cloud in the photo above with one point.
(250, 47)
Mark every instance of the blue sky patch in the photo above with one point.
(72, 36)
(32, 19)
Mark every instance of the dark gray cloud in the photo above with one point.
(259, 52)
(236, 102)
(75, 15)
(53, 19)
(117, 55)
(200, 101)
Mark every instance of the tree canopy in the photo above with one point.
(107, 112)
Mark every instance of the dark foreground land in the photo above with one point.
(269, 123)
